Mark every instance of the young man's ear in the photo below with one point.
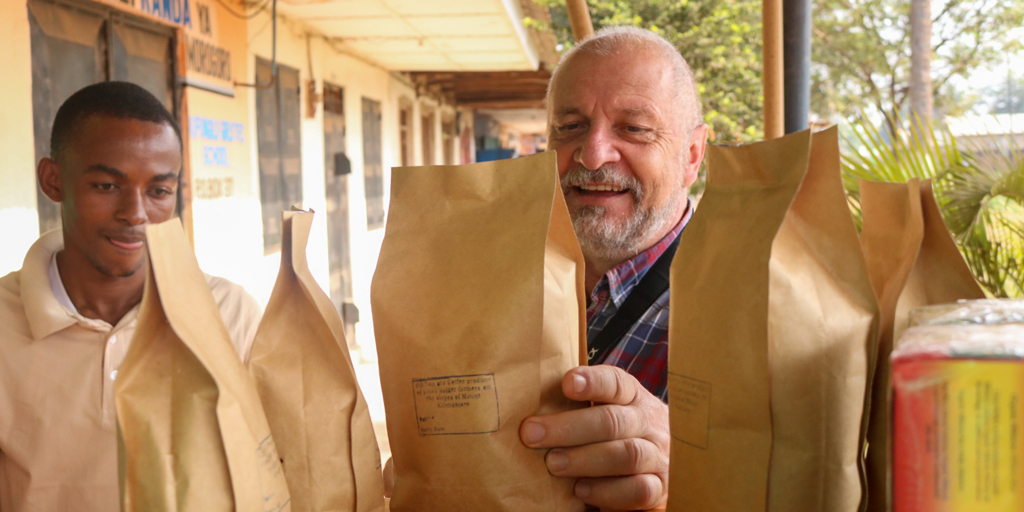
(48, 174)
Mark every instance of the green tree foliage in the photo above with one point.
(720, 40)
(861, 50)
(979, 187)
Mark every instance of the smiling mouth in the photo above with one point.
(127, 244)
(600, 189)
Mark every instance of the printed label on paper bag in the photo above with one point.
(690, 403)
(460, 404)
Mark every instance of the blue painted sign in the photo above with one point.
(216, 131)
(178, 12)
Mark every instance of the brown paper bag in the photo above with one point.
(913, 262)
(191, 430)
(478, 313)
(307, 383)
(771, 336)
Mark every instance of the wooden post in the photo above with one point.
(772, 69)
(185, 182)
(579, 18)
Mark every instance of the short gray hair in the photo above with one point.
(614, 39)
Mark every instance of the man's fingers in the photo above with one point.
(624, 493)
(614, 458)
(582, 426)
(602, 384)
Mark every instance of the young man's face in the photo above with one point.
(115, 177)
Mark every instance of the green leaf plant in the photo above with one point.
(978, 183)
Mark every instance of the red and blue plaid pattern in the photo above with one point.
(643, 351)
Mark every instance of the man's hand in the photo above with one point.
(618, 449)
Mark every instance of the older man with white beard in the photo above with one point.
(624, 117)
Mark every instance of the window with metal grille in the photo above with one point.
(279, 147)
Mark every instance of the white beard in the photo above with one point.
(602, 236)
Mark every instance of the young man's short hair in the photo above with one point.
(121, 100)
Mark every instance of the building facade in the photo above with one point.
(312, 109)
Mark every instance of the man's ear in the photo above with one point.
(695, 154)
(48, 173)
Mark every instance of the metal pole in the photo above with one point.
(796, 29)
(771, 56)
(579, 19)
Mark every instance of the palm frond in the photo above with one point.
(979, 187)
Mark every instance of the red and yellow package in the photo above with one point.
(958, 415)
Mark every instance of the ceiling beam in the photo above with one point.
(504, 104)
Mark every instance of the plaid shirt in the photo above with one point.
(643, 350)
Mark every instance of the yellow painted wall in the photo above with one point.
(19, 222)
(359, 79)
(226, 220)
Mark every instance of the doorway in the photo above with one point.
(337, 168)
(373, 170)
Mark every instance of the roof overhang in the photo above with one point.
(425, 35)
(523, 120)
(509, 89)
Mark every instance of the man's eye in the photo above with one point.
(635, 129)
(569, 127)
(104, 186)
(162, 191)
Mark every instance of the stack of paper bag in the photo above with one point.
(192, 434)
(308, 386)
(913, 262)
(772, 332)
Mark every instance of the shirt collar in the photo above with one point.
(57, 286)
(44, 312)
(39, 294)
(624, 277)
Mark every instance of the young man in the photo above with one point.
(67, 317)
(624, 118)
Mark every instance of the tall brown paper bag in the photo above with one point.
(478, 311)
(307, 383)
(191, 430)
(771, 336)
(913, 262)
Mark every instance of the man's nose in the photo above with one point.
(132, 207)
(598, 149)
